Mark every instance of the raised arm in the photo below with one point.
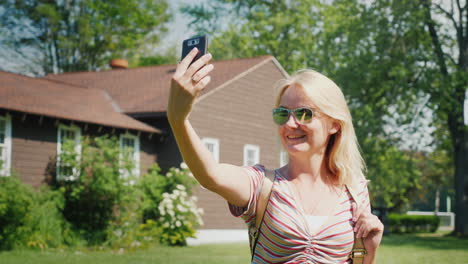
(229, 181)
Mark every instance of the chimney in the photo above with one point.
(118, 64)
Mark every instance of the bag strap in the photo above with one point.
(359, 250)
(264, 197)
(262, 203)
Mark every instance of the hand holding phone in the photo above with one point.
(200, 42)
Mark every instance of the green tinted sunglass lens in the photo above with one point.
(303, 114)
(280, 115)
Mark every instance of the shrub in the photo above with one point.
(168, 202)
(16, 201)
(45, 225)
(99, 193)
(30, 218)
(412, 223)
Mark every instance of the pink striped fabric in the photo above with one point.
(284, 237)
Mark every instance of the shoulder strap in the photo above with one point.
(262, 203)
(359, 250)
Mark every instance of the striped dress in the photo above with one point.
(284, 235)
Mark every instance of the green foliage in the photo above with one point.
(30, 218)
(154, 185)
(128, 230)
(394, 174)
(16, 200)
(412, 223)
(45, 225)
(100, 203)
(99, 192)
(168, 202)
(167, 57)
(63, 36)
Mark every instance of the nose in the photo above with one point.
(292, 122)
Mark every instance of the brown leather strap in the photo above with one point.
(262, 203)
(359, 250)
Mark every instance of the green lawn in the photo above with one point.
(395, 249)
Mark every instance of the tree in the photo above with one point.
(80, 35)
(168, 56)
(448, 90)
(395, 61)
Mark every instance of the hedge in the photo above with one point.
(397, 223)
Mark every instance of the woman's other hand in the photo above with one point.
(187, 82)
(367, 226)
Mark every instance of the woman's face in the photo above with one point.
(304, 139)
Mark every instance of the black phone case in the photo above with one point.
(201, 42)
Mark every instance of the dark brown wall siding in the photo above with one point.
(166, 146)
(238, 114)
(34, 146)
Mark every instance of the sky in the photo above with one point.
(178, 29)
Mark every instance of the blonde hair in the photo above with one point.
(343, 157)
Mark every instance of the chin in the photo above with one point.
(297, 148)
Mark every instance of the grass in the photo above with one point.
(407, 249)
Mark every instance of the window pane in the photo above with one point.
(2, 156)
(2, 131)
(210, 147)
(128, 142)
(70, 135)
(251, 154)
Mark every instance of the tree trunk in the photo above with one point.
(437, 201)
(461, 186)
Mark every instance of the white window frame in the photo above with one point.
(256, 149)
(136, 153)
(215, 143)
(77, 131)
(284, 158)
(5, 170)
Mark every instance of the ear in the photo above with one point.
(334, 128)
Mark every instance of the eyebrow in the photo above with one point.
(302, 106)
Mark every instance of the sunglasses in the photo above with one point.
(303, 115)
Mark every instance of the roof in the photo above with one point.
(65, 101)
(146, 89)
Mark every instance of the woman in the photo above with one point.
(311, 214)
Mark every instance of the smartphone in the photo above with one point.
(200, 42)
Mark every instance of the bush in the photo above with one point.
(99, 203)
(99, 194)
(412, 223)
(29, 218)
(45, 225)
(168, 202)
(16, 201)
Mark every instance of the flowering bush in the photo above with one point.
(179, 216)
(169, 202)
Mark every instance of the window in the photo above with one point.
(212, 144)
(5, 145)
(67, 133)
(284, 158)
(251, 155)
(130, 145)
